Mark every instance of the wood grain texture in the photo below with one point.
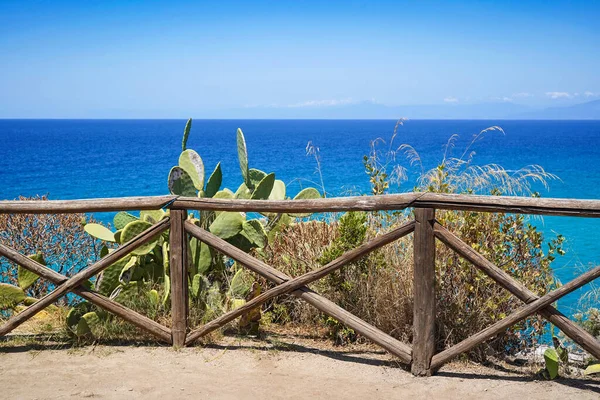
(523, 312)
(508, 204)
(178, 271)
(109, 305)
(424, 292)
(82, 276)
(399, 349)
(84, 206)
(572, 330)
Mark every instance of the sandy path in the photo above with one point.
(252, 371)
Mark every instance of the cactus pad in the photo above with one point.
(192, 163)
(100, 232)
(132, 230)
(180, 183)
(186, 134)
(227, 224)
(214, 182)
(264, 188)
(123, 218)
(243, 157)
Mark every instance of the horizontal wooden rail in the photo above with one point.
(477, 203)
(84, 206)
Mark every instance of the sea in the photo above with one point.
(78, 159)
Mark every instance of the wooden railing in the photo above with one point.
(421, 356)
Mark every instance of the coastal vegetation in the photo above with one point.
(376, 288)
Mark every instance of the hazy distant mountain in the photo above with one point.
(589, 110)
(373, 110)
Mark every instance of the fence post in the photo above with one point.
(178, 272)
(424, 292)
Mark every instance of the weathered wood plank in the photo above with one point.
(141, 321)
(177, 266)
(572, 330)
(80, 277)
(424, 292)
(401, 350)
(305, 279)
(509, 204)
(84, 206)
(522, 313)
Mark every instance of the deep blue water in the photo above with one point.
(70, 159)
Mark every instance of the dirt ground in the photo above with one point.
(272, 368)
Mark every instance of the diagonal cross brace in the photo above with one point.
(112, 306)
(79, 278)
(572, 330)
(522, 313)
(298, 287)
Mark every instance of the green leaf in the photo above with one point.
(152, 216)
(240, 284)
(10, 296)
(255, 176)
(308, 194)
(243, 192)
(100, 232)
(224, 194)
(123, 218)
(278, 192)
(153, 297)
(202, 258)
(132, 230)
(109, 279)
(180, 183)
(186, 134)
(214, 182)
(127, 271)
(592, 369)
(227, 224)
(255, 232)
(263, 189)
(192, 163)
(167, 293)
(551, 359)
(243, 157)
(27, 278)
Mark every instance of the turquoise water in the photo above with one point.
(70, 159)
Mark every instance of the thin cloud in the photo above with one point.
(322, 103)
(450, 100)
(590, 94)
(559, 95)
(522, 94)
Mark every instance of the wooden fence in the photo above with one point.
(421, 356)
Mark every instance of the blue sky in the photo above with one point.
(89, 59)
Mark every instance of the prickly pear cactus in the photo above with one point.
(133, 229)
(180, 183)
(227, 224)
(186, 134)
(123, 218)
(100, 232)
(10, 296)
(192, 163)
(214, 182)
